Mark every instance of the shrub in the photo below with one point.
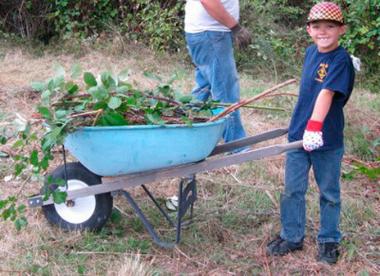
(29, 19)
(278, 27)
(157, 23)
(82, 18)
(363, 36)
(279, 37)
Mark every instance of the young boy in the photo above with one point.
(326, 84)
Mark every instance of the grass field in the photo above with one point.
(237, 211)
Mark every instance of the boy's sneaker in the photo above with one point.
(280, 247)
(328, 252)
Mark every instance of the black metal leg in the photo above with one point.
(179, 211)
(187, 197)
(158, 206)
(146, 222)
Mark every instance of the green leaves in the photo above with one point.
(59, 71)
(52, 188)
(56, 83)
(71, 88)
(3, 140)
(59, 197)
(45, 112)
(112, 118)
(105, 100)
(99, 93)
(165, 90)
(152, 76)
(34, 158)
(185, 99)
(370, 173)
(20, 223)
(9, 211)
(114, 102)
(52, 138)
(89, 79)
(38, 86)
(154, 119)
(123, 89)
(107, 80)
(76, 71)
(123, 76)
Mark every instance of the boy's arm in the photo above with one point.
(215, 9)
(312, 138)
(322, 105)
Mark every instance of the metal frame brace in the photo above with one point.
(187, 195)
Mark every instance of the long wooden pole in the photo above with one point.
(237, 105)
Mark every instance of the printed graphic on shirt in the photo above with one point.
(322, 72)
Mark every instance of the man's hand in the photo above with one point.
(242, 37)
(312, 137)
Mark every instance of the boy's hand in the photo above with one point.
(242, 37)
(312, 137)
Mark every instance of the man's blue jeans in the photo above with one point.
(216, 74)
(326, 166)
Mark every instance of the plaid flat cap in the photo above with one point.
(325, 11)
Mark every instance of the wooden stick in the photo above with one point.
(237, 105)
(255, 107)
(89, 113)
(282, 94)
(100, 111)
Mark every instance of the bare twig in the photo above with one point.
(11, 272)
(187, 257)
(21, 189)
(99, 253)
(351, 159)
(271, 198)
(100, 111)
(89, 113)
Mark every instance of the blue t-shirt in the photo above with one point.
(333, 71)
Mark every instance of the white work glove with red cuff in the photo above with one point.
(312, 137)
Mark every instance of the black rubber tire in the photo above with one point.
(103, 202)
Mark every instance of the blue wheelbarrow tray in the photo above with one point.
(118, 150)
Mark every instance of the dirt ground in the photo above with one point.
(18, 69)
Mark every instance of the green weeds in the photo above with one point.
(356, 213)
(358, 144)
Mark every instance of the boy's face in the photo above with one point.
(325, 34)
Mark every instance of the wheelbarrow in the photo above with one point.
(113, 159)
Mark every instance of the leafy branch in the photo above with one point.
(68, 103)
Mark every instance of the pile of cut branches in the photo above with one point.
(111, 101)
(70, 102)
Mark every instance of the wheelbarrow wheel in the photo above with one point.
(85, 213)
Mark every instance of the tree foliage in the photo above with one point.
(278, 27)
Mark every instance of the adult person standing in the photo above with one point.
(211, 29)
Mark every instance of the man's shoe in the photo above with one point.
(280, 247)
(328, 252)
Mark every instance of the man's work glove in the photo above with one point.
(312, 137)
(242, 37)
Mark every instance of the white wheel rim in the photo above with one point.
(83, 207)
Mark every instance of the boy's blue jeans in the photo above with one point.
(326, 166)
(216, 74)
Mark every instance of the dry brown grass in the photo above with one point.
(209, 247)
